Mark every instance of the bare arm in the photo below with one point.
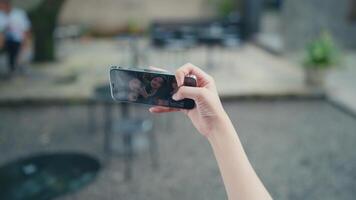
(211, 120)
(240, 179)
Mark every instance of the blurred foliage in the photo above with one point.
(133, 27)
(321, 53)
(352, 14)
(26, 4)
(225, 7)
(44, 21)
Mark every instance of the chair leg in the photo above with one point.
(169, 123)
(92, 118)
(107, 129)
(128, 155)
(153, 149)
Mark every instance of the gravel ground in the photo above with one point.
(300, 149)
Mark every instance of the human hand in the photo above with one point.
(210, 119)
(208, 114)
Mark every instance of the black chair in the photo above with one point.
(126, 128)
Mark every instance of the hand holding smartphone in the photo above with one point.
(208, 117)
(148, 87)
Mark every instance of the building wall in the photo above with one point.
(303, 20)
(110, 15)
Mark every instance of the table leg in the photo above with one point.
(91, 118)
(128, 155)
(153, 149)
(107, 128)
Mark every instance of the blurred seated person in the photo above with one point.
(14, 32)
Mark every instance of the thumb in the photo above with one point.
(185, 92)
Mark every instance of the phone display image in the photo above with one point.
(147, 87)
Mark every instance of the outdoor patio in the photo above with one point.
(285, 72)
(82, 66)
(301, 149)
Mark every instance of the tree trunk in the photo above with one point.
(44, 21)
(252, 17)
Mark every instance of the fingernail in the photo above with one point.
(175, 97)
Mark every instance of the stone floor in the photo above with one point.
(306, 150)
(341, 82)
(244, 71)
(300, 149)
(82, 65)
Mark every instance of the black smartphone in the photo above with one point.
(148, 87)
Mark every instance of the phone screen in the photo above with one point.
(147, 88)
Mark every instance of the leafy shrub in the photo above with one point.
(321, 52)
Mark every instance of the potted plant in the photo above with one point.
(224, 8)
(321, 55)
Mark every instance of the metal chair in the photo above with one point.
(127, 128)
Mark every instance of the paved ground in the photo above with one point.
(305, 152)
(341, 82)
(84, 65)
(302, 150)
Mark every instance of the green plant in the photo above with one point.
(321, 53)
(224, 7)
(133, 27)
(27, 5)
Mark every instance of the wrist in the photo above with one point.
(224, 130)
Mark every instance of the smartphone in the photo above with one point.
(148, 87)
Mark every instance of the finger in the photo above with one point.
(160, 109)
(157, 69)
(185, 92)
(187, 69)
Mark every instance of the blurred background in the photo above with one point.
(285, 71)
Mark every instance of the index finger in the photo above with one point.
(161, 109)
(190, 69)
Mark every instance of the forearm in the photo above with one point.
(240, 179)
(210, 119)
